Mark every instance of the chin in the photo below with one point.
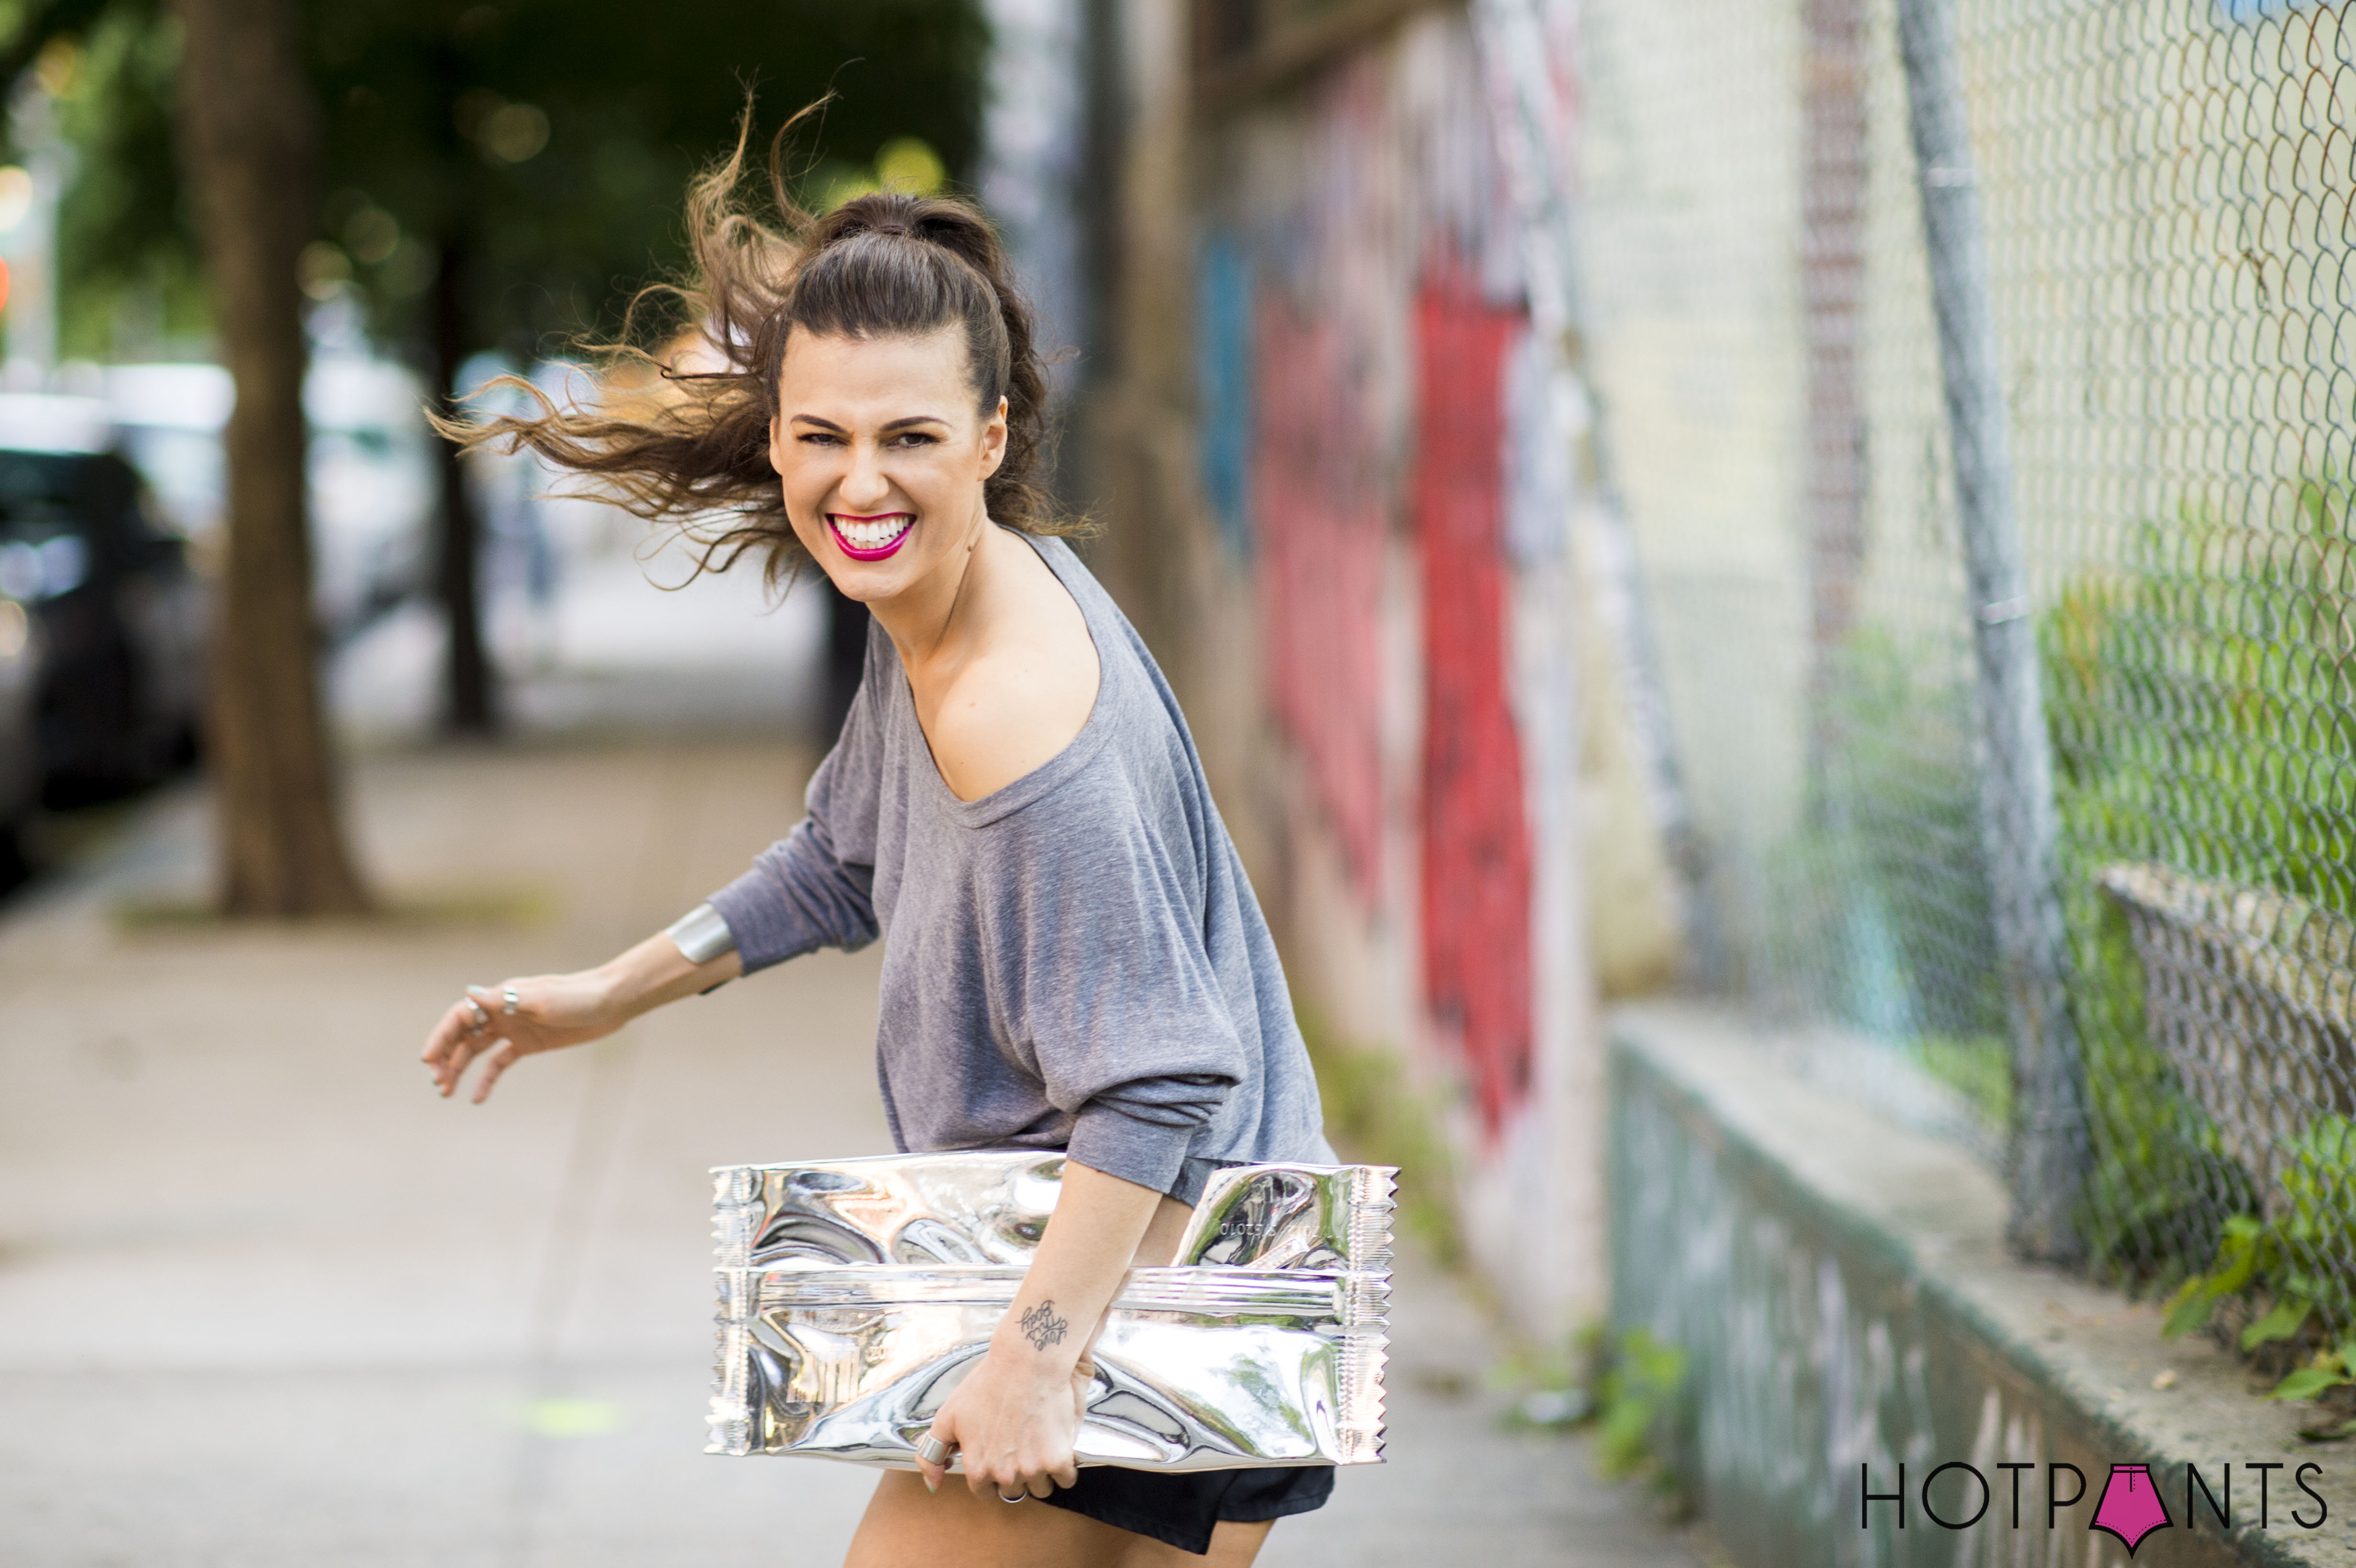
(867, 580)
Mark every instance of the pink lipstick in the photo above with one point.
(878, 538)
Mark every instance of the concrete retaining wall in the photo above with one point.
(1841, 1287)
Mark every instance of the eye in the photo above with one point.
(819, 438)
(915, 438)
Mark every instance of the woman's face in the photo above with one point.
(882, 457)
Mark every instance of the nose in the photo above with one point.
(865, 488)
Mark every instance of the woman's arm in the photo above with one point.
(1017, 1412)
(553, 1010)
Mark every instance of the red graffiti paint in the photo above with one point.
(1319, 532)
(1476, 836)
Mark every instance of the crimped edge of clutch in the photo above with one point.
(1364, 1302)
(736, 1211)
(1366, 1316)
(731, 1418)
(1374, 1199)
(1358, 1419)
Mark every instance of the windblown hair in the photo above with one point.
(881, 266)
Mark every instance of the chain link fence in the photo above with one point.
(2012, 672)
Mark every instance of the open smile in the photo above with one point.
(871, 539)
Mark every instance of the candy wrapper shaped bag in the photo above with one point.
(855, 1294)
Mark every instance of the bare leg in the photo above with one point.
(908, 1527)
(1232, 1545)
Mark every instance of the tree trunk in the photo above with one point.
(469, 704)
(249, 142)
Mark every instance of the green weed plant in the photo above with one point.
(2199, 700)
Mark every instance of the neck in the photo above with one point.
(931, 622)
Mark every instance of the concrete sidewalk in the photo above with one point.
(265, 1301)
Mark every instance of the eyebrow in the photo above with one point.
(896, 424)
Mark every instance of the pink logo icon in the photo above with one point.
(2131, 1508)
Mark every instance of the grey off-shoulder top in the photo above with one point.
(1074, 962)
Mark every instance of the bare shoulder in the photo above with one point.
(1026, 695)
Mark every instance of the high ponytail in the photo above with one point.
(882, 265)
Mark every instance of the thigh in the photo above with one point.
(905, 1524)
(1234, 1544)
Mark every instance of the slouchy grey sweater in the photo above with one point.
(1076, 961)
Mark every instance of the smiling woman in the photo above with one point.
(1076, 960)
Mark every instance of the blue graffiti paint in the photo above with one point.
(1223, 378)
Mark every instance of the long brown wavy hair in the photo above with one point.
(881, 266)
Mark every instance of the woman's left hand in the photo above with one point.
(1014, 1419)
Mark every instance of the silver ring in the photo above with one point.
(932, 1451)
(1017, 1497)
(509, 1000)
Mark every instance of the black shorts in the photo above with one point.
(1181, 1505)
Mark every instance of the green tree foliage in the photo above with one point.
(126, 239)
(550, 142)
(554, 140)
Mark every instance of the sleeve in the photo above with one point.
(1116, 998)
(815, 886)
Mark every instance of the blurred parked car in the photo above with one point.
(103, 500)
(372, 476)
(116, 615)
(20, 771)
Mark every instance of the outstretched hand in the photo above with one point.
(552, 1011)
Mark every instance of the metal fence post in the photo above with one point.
(2018, 813)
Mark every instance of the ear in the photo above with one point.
(993, 440)
(777, 453)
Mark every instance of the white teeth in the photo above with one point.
(872, 535)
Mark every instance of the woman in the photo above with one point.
(1076, 960)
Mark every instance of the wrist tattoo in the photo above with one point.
(1042, 1327)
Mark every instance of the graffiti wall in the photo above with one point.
(1378, 472)
(1476, 906)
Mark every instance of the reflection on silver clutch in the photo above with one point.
(855, 1294)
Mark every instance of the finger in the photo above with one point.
(453, 1067)
(943, 1431)
(456, 1038)
(451, 1062)
(1042, 1473)
(1067, 1474)
(498, 1062)
(445, 1079)
(447, 1032)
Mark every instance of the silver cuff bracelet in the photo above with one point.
(701, 934)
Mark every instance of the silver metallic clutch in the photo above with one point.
(855, 1294)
